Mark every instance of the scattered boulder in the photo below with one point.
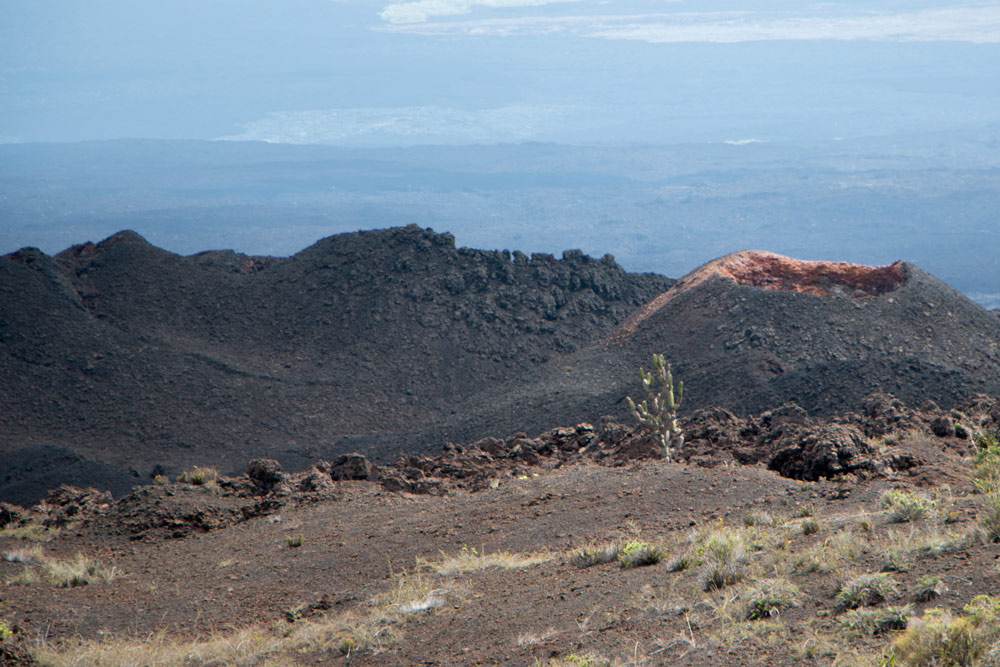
(12, 515)
(823, 453)
(69, 503)
(943, 427)
(265, 473)
(352, 466)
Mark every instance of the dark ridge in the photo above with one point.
(135, 356)
(395, 340)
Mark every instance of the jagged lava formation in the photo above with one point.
(752, 330)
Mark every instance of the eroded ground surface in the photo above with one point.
(485, 574)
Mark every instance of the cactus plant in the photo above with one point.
(659, 411)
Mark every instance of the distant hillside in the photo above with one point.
(137, 357)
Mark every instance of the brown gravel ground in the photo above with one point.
(368, 540)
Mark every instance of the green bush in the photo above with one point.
(875, 621)
(769, 598)
(198, 476)
(865, 590)
(939, 639)
(635, 554)
(927, 588)
(905, 506)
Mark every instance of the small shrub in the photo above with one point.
(26, 556)
(636, 554)
(294, 541)
(810, 526)
(724, 555)
(905, 506)
(755, 519)
(939, 638)
(595, 554)
(161, 480)
(987, 446)
(865, 590)
(198, 476)
(810, 562)
(576, 660)
(769, 598)
(989, 519)
(680, 563)
(875, 621)
(895, 560)
(987, 460)
(927, 588)
(80, 571)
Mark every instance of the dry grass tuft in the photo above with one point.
(595, 554)
(470, 560)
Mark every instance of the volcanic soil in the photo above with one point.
(468, 558)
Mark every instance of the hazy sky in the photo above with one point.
(459, 71)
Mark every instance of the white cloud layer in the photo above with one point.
(422, 10)
(976, 24)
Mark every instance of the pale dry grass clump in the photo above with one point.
(32, 532)
(242, 648)
(470, 560)
(80, 570)
(940, 639)
(906, 506)
(595, 554)
(724, 559)
(770, 597)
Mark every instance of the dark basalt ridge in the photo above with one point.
(131, 360)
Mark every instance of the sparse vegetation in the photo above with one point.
(78, 571)
(755, 519)
(939, 639)
(865, 621)
(810, 526)
(905, 506)
(927, 588)
(750, 572)
(469, 559)
(866, 590)
(637, 553)
(198, 476)
(724, 557)
(576, 660)
(595, 554)
(32, 532)
(769, 598)
(658, 412)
